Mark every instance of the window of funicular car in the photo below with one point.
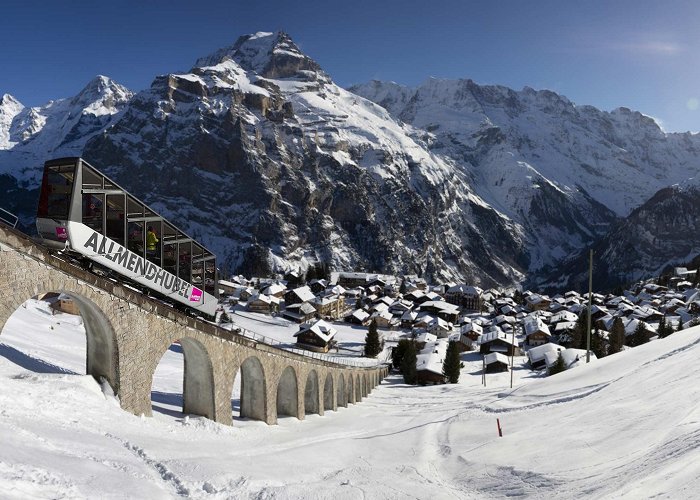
(115, 217)
(91, 179)
(56, 190)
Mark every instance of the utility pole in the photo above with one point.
(512, 356)
(590, 300)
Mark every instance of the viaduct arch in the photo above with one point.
(128, 333)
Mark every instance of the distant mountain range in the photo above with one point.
(257, 152)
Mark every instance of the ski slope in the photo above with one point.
(626, 426)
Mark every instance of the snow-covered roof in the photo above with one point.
(432, 356)
(304, 293)
(465, 289)
(320, 328)
(273, 289)
(494, 357)
(536, 354)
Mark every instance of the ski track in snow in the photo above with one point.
(169, 478)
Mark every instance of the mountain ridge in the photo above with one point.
(453, 180)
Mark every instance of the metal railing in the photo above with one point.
(8, 217)
(286, 346)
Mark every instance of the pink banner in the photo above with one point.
(196, 295)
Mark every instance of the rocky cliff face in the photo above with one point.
(664, 231)
(260, 154)
(563, 172)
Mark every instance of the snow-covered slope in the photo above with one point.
(626, 426)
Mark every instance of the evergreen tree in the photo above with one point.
(558, 366)
(680, 324)
(402, 289)
(597, 344)
(452, 364)
(640, 336)
(408, 364)
(373, 345)
(358, 303)
(224, 318)
(662, 329)
(578, 333)
(398, 351)
(616, 338)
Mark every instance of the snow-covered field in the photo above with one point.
(625, 426)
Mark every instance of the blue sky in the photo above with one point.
(641, 54)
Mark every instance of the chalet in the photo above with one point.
(429, 363)
(536, 332)
(502, 320)
(421, 336)
(351, 280)
(384, 319)
(244, 293)
(465, 296)
(317, 336)
(536, 355)
(65, 304)
(495, 362)
(264, 304)
(413, 282)
(299, 313)
(409, 318)
(416, 296)
(399, 307)
(293, 278)
(469, 335)
(328, 307)
(317, 286)
(227, 287)
(298, 295)
(358, 317)
(536, 302)
(275, 290)
(497, 341)
(445, 310)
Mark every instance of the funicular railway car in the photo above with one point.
(86, 214)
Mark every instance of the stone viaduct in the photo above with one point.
(128, 333)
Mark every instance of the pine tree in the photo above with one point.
(372, 343)
(616, 338)
(578, 333)
(398, 351)
(680, 324)
(224, 318)
(402, 288)
(662, 329)
(452, 364)
(408, 364)
(558, 366)
(640, 336)
(597, 344)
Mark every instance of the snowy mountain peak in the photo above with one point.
(7, 101)
(101, 96)
(9, 109)
(271, 55)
